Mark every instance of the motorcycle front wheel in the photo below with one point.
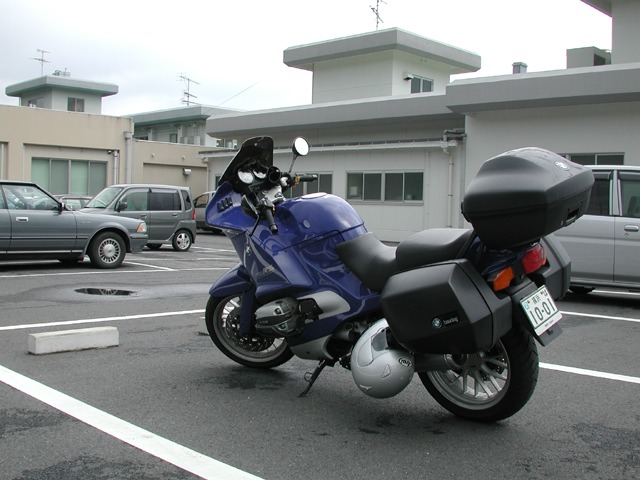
(491, 385)
(222, 317)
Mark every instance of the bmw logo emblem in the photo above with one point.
(436, 322)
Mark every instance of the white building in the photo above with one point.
(403, 159)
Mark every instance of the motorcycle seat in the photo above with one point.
(373, 262)
(369, 259)
(432, 246)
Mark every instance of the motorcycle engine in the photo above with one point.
(280, 318)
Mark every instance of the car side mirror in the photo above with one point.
(121, 206)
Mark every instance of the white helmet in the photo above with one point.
(378, 370)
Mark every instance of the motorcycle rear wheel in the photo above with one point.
(491, 385)
(222, 317)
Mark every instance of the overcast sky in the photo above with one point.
(233, 48)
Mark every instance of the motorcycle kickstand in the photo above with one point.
(312, 377)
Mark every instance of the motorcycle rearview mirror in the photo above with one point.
(300, 147)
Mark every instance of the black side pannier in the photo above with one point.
(444, 308)
(522, 195)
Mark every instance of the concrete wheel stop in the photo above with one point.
(72, 340)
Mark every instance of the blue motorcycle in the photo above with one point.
(462, 308)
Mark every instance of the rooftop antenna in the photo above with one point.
(41, 60)
(376, 12)
(186, 99)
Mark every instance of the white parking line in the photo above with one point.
(591, 373)
(117, 271)
(606, 317)
(151, 266)
(166, 450)
(98, 320)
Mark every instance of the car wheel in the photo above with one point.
(182, 241)
(107, 250)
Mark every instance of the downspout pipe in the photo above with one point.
(116, 167)
(128, 156)
(450, 138)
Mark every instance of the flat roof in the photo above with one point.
(51, 82)
(191, 112)
(602, 5)
(575, 86)
(304, 56)
(351, 112)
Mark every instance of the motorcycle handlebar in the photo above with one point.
(268, 213)
(305, 178)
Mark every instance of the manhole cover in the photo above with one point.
(105, 291)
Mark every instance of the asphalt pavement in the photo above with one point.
(165, 404)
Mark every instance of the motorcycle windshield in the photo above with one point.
(256, 149)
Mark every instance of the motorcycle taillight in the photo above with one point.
(534, 258)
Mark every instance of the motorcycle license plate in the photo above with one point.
(541, 310)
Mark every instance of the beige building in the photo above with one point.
(59, 139)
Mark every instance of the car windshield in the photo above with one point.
(104, 198)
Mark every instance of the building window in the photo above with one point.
(60, 176)
(421, 85)
(75, 104)
(596, 158)
(35, 102)
(323, 184)
(390, 186)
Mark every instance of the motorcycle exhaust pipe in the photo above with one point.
(430, 362)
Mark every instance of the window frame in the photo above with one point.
(383, 197)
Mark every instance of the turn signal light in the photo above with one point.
(503, 279)
(533, 259)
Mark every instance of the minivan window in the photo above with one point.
(137, 200)
(630, 193)
(600, 194)
(202, 200)
(165, 200)
(104, 198)
(187, 200)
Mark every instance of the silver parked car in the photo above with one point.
(34, 225)
(200, 204)
(604, 244)
(168, 211)
(73, 202)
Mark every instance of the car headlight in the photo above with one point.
(142, 228)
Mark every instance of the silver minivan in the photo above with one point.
(604, 244)
(200, 204)
(167, 209)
